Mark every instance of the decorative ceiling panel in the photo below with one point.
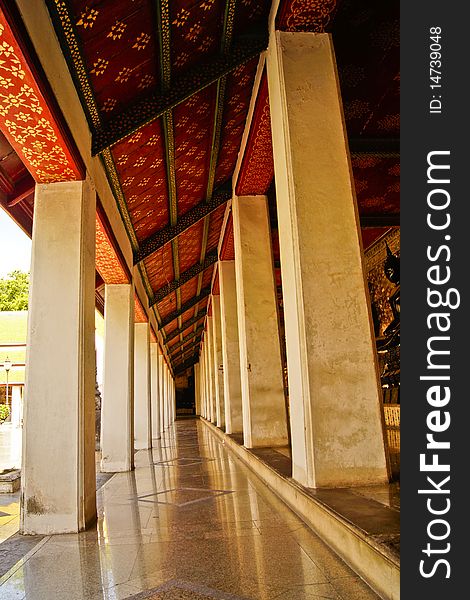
(189, 330)
(189, 290)
(167, 305)
(257, 170)
(189, 244)
(134, 61)
(173, 343)
(227, 251)
(306, 15)
(216, 221)
(159, 267)
(189, 313)
(174, 324)
(238, 94)
(107, 262)
(140, 162)
(193, 140)
(369, 69)
(385, 120)
(184, 348)
(196, 31)
(171, 327)
(377, 183)
(27, 119)
(118, 46)
(140, 315)
(206, 280)
(250, 13)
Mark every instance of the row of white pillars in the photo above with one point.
(138, 402)
(137, 384)
(335, 417)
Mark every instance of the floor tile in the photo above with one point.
(190, 523)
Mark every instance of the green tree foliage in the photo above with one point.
(4, 412)
(14, 291)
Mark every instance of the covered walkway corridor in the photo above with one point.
(220, 180)
(189, 523)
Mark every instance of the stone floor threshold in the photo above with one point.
(364, 531)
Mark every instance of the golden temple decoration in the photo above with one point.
(25, 118)
(141, 42)
(117, 30)
(87, 18)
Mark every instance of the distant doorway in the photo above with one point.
(185, 396)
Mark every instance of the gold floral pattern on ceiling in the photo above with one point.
(26, 120)
(108, 264)
(309, 15)
(258, 167)
(139, 312)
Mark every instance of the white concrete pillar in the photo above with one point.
(161, 389)
(165, 414)
(166, 398)
(203, 379)
(16, 406)
(263, 401)
(154, 391)
(142, 405)
(202, 363)
(218, 363)
(170, 398)
(197, 389)
(58, 467)
(211, 371)
(337, 437)
(117, 406)
(173, 399)
(230, 347)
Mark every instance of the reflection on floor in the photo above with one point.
(371, 510)
(190, 523)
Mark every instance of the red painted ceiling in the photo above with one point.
(129, 49)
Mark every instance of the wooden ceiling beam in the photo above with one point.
(185, 325)
(170, 232)
(205, 293)
(187, 350)
(243, 49)
(7, 185)
(186, 276)
(188, 363)
(186, 339)
(25, 192)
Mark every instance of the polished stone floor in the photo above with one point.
(190, 523)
